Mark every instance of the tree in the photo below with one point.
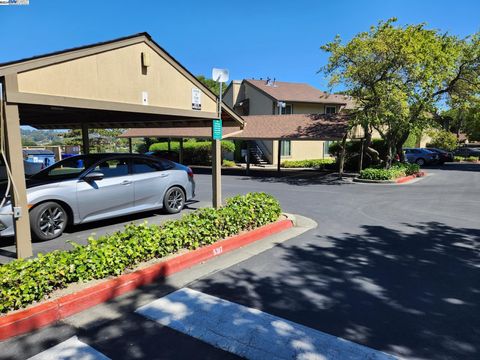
(211, 84)
(400, 76)
(443, 139)
(100, 139)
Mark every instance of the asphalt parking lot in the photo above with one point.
(392, 267)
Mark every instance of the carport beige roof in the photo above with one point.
(103, 84)
(264, 127)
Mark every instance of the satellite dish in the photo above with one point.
(220, 75)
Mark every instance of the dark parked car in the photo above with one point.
(467, 151)
(420, 156)
(443, 155)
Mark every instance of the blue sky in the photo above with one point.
(259, 38)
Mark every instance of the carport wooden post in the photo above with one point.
(279, 155)
(85, 141)
(248, 157)
(130, 145)
(23, 238)
(180, 153)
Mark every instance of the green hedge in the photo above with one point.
(409, 169)
(396, 171)
(23, 282)
(228, 163)
(381, 174)
(313, 163)
(194, 152)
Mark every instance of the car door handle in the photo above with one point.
(164, 175)
(126, 182)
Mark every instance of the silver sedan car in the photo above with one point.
(87, 188)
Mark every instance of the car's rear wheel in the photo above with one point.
(48, 220)
(174, 200)
(420, 162)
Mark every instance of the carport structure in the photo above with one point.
(123, 83)
(325, 127)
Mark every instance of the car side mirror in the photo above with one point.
(94, 176)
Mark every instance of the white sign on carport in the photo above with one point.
(127, 82)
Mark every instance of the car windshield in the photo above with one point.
(66, 169)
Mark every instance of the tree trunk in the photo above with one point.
(399, 145)
(342, 157)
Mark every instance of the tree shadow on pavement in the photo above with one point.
(414, 294)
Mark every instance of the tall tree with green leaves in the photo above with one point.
(211, 84)
(400, 76)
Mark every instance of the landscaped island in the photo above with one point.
(23, 282)
(396, 171)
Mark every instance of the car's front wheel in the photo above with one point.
(174, 200)
(48, 220)
(420, 162)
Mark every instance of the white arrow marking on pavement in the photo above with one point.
(248, 332)
(70, 349)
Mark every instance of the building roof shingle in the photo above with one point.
(298, 92)
(263, 127)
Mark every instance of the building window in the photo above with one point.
(287, 110)
(286, 148)
(330, 110)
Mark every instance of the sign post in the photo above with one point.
(220, 76)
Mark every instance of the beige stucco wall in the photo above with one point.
(301, 150)
(308, 108)
(260, 104)
(117, 76)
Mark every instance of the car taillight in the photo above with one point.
(190, 173)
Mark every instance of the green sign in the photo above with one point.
(217, 129)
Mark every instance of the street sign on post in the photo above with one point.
(220, 76)
(217, 129)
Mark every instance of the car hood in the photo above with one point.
(30, 183)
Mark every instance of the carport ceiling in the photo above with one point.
(55, 117)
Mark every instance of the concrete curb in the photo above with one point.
(49, 312)
(399, 180)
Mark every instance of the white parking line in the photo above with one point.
(248, 332)
(70, 349)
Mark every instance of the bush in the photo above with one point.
(471, 159)
(458, 158)
(228, 163)
(409, 169)
(443, 139)
(313, 163)
(382, 174)
(194, 152)
(23, 282)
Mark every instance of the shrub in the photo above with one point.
(382, 174)
(409, 169)
(443, 139)
(313, 163)
(458, 158)
(195, 152)
(23, 282)
(471, 159)
(228, 163)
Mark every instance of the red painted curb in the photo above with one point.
(46, 313)
(405, 179)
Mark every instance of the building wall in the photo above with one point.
(116, 75)
(308, 108)
(260, 104)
